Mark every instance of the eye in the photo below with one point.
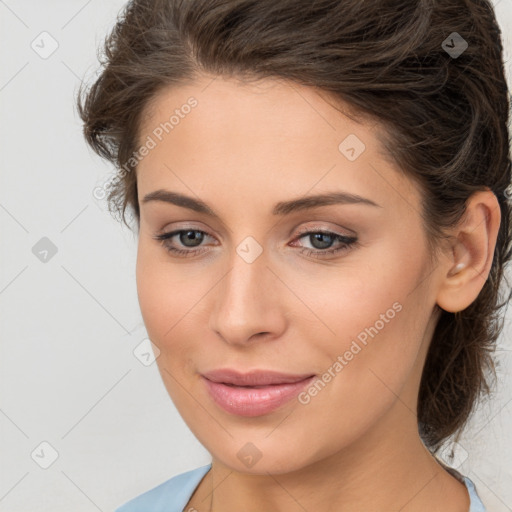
(322, 240)
(188, 237)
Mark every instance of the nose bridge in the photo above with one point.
(246, 301)
(244, 285)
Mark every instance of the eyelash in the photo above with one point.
(347, 243)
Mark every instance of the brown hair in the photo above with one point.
(445, 117)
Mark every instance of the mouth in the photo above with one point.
(253, 394)
(251, 387)
(253, 378)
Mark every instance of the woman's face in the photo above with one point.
(255, 286)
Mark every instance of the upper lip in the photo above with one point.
(253, 378)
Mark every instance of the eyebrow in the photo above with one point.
(282, 208)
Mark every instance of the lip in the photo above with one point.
(253, 378)
(255, 393)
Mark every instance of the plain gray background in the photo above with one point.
(69, 325)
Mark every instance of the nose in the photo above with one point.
(248, 303)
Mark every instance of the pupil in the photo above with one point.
(191, 236)
(319, 237)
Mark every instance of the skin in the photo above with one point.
(355, 445)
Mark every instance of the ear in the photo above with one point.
(471, 252)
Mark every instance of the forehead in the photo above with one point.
(232, 102)
(258, 136)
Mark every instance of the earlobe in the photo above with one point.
(468, 265)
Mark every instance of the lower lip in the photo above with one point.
(250, 401)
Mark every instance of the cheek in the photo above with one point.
(157, 292)
(171, 298)
(377, 308)
(379, 327)
(153, 295)
(162, 290)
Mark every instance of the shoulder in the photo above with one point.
(170, 496)
(476, 504)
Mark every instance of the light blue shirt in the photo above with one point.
(174, 494)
